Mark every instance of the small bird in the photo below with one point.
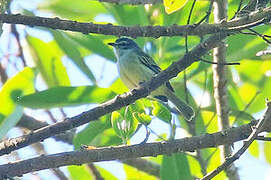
(135, 67)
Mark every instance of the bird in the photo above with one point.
(136, 67)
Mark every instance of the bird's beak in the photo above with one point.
(112, 44)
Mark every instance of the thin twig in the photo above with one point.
(238, 9)
(262, 138)
(264, 37)
(219, 63)
(186, 51)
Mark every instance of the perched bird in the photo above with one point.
(135, 67)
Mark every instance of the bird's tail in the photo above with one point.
(184, 109)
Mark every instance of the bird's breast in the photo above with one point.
(132, 71)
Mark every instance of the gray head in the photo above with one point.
(124, 44)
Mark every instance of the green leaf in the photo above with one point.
(116, 120)
(254, 149)
(79, 172)
(80, 10)
(92, 131)
(267, 154)
(124, 124)
(95, 44)
(47, 57)
(10, 113)
(66, 96)
(106, 174)
(118, 87)
(125, 15)
(142, 118)
(160, 111)
(71, 49)
(250, 45)
(193, 162)
(173, 5)
(175, 167)
(134, 174)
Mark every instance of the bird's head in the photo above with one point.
(124, 45)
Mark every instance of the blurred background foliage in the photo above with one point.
(70, 69)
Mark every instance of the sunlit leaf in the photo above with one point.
(22, 83)
(76, 10)
(173, 5)
(214, 162)
(175, 167)
(196, 170)
(118, 87)
(66, 96)
(125, 15)
(124, 124)
(106, 174)
(93, 130)
(142, 118)
(80, 172)
(47, 57)
(254, 149)
(267, 154)
(118, 123)
(161, 111)
(135, 174)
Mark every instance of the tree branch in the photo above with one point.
(220, 88)
(238, 24)
(67, 137)
(32, 124)
(143, 90)
(133, 2)
(190, 144)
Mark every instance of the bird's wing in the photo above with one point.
(150, 63)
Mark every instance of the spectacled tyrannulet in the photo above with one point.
(136, 67)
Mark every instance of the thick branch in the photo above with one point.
(125, 152)
(67, 137)
(120, 101)
(238, 24)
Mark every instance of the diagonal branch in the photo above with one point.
(255, 131)
(238, 24)
(144, 90)
(190, 144)
(32, 124)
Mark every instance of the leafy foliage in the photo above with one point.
(248, 84)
